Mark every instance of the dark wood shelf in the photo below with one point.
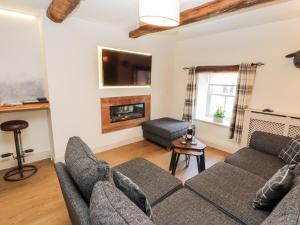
(25, 107)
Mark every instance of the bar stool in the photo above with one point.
(20, 172)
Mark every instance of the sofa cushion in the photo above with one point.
(256, 162)
(155, 182)
(231, 189)
(84, 167)
(184, 207)
(166, 127)
(290, 154)
(132, 191)
(287, 212)
(274, 189)
(110, 206)
(268, 143)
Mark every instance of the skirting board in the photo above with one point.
(33, 157)
(107, 147)
(224, 147)
(118, 144)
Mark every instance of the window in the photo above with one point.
(215, 90)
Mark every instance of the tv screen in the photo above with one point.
(123, 68)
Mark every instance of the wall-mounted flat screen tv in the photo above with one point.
(119, 68)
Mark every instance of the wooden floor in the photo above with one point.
(38, 200)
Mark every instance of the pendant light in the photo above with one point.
(165, 13)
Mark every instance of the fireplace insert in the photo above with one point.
(120, 113)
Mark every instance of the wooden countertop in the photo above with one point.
(25, 107)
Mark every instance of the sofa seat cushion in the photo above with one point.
(256, 162)
(110, 206)
(84, 167)
(185, 207)
(166, 127)
(232, 189)
(287, 212)
(155, 182)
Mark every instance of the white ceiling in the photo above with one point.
(124, 13)
(256, 16)
(110, 11)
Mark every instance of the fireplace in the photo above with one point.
(124, 112)
(120, 113)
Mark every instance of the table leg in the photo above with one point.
(198, 164)
(177, 156)
(172, 159)
(187, 160)
(202, 161)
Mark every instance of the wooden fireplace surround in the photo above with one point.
(107, 126)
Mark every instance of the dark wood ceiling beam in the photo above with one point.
(58, 10)
(202, 12)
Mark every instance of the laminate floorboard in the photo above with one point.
(38, 200)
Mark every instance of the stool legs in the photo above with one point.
(20, 172)
(21, 146)
(19, 157)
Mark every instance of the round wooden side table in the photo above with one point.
(188, 149)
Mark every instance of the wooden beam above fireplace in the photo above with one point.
(107, 103)
(202, 12)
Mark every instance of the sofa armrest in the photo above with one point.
(268, 143)
(78, 209)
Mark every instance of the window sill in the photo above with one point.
(210, 120)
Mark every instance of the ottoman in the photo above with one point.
(164, 130)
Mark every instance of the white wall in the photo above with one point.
(21, 57)
(277, 83)
(72, 76)
(72, 70)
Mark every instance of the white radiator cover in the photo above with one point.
(276, 123)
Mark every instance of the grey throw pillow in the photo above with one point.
(132, 191)
(290, 154)
(275, 188)
(84, 167)
(287, 210)
(110, 206)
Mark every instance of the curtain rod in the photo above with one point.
(257, 64)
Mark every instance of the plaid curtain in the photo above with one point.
(246, 78)
(190, 99)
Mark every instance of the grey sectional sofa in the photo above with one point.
(221, 195)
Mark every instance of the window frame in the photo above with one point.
(209, 95)
(211, 70)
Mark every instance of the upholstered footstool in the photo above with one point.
(164, 130)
